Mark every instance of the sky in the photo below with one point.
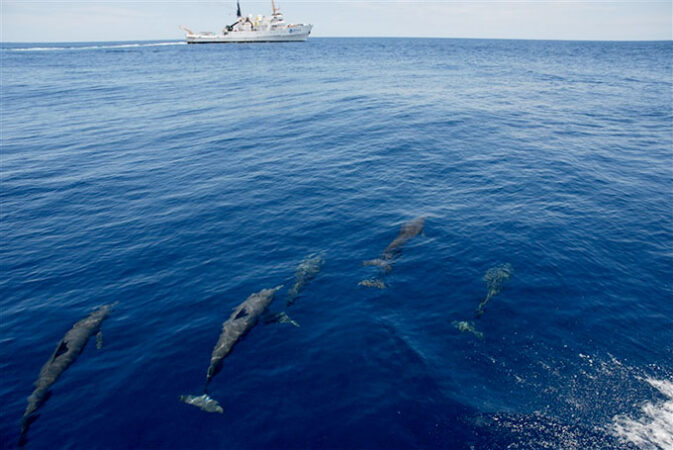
(128, 20)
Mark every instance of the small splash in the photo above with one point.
(654, 427)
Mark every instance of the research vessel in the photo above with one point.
(251, 28)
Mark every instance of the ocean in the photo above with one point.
(174, 181)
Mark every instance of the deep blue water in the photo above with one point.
(177, 180)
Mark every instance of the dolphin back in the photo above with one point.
(306, 271)
(66, 352)
(242, 319)
(409, 230)
(392, 252)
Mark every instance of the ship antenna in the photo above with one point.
(273, 6)
(238, 9)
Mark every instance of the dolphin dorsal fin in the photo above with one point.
(242, 313)
(61, 349)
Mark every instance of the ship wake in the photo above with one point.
(654, 427)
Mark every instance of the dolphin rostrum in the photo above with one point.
(242, 319)
(385, 262)
(305, 272)
(67, 351)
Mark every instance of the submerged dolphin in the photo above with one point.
(306, 271)
(242, 319)
(67, 351)
(494, 278)
(385, 262)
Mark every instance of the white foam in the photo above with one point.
(654, 428)
(95, 47)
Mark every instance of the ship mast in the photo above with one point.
(273, 6)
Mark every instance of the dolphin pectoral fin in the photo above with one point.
(288, 319)
(61, 349)
(203, 402)
(99, 340)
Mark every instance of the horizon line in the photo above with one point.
(362, 37)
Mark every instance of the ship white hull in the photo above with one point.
(290, 34)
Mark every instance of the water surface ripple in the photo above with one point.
(179, 179)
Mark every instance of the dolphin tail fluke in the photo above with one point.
(203, 402)
(290, 320)
(23, 440)
(25, 424)
(480, 309)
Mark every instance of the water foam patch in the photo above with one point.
(95, 47)
(654, 428)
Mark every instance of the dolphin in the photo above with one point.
(67, 351)
(306, 271)
(242, 319)
(385, 262)
(494, 278)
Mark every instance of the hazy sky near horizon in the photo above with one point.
(123, 20)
